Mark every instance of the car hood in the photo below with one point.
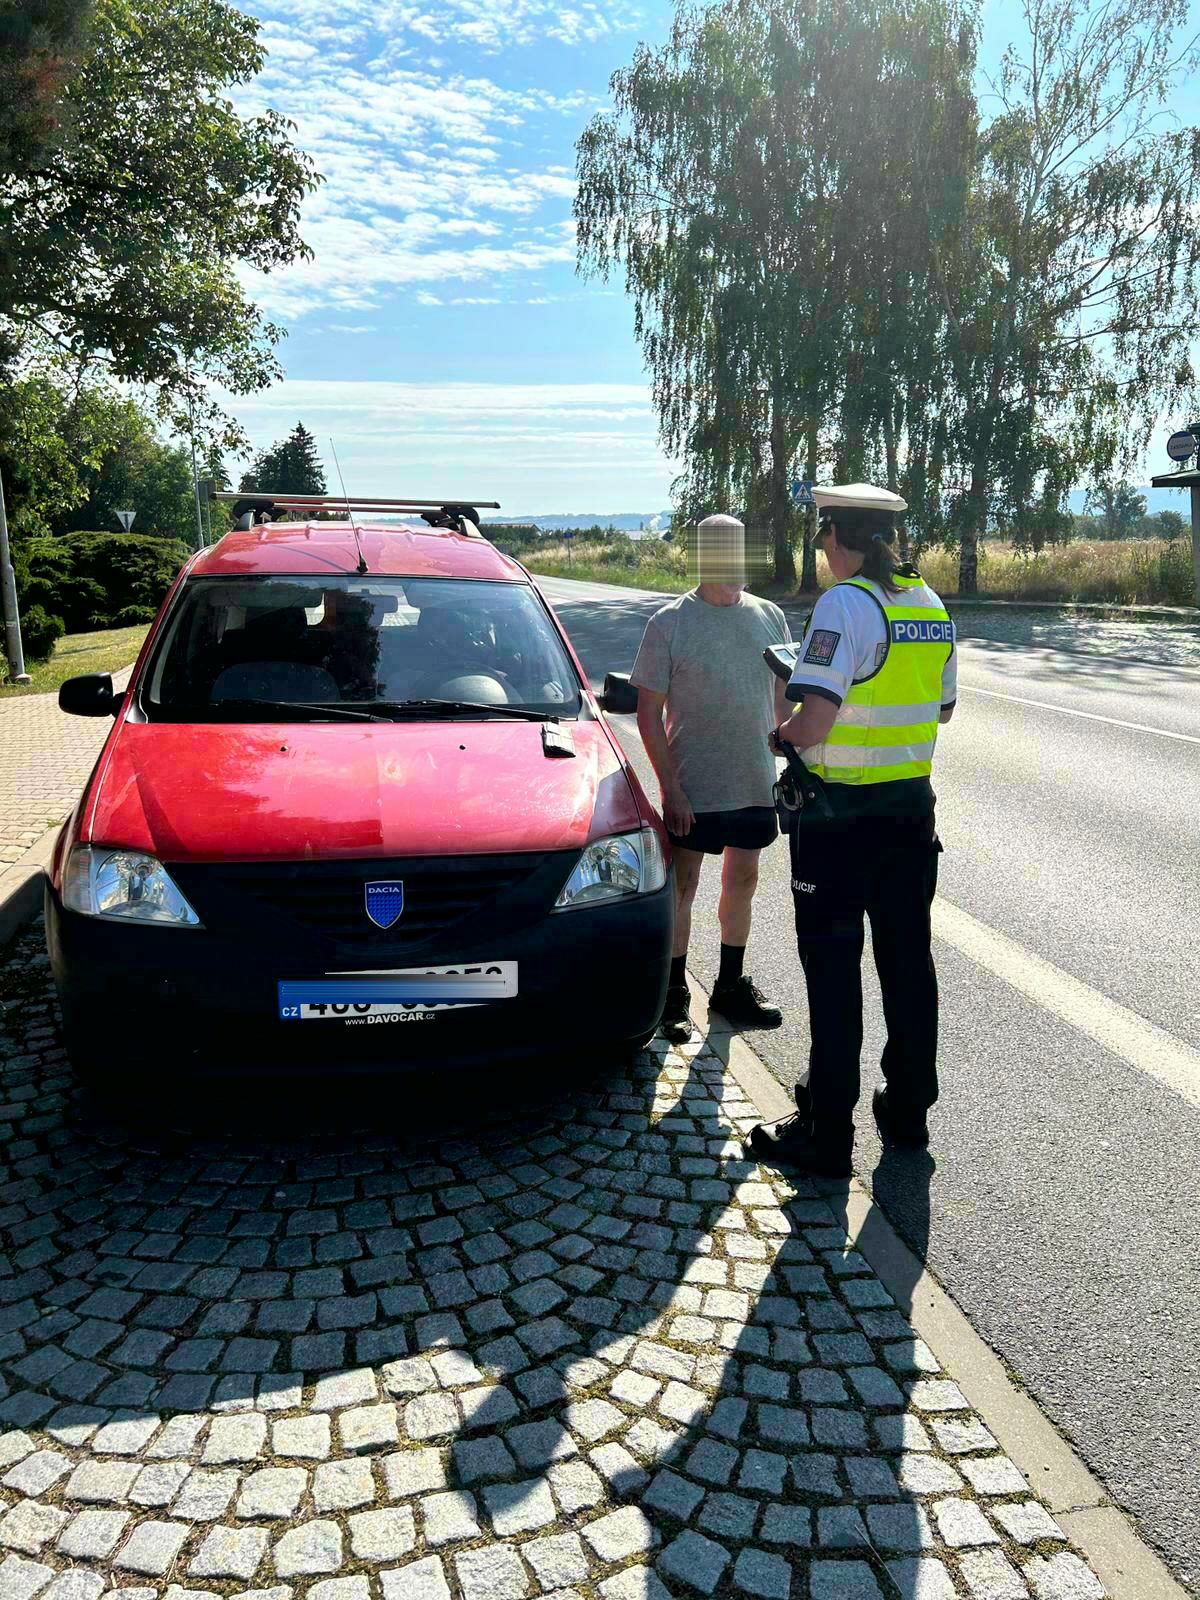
(295, 791)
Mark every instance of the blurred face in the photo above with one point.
(721, 556)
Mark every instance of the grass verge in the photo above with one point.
(76, 653)
(1120, 572)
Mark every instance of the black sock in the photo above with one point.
(678, 971)
(732, 956)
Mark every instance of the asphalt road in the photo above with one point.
(1062, 1212)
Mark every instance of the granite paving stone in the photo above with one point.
(579, 1345)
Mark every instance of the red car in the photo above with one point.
(358, 804)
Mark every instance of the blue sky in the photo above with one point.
(441, 335)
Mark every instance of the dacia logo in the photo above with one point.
(385, 902)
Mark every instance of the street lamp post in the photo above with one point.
(8, 604)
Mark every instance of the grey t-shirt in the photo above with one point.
(708, 661)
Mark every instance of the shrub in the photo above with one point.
(92, 580)
(40, 632)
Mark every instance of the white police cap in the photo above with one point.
(862, 496)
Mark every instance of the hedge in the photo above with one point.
(98, 580)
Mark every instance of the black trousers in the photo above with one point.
(885, 867)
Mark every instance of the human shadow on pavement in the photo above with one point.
(521, 1311)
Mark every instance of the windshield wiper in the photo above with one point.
(455, 708)
(314, 710)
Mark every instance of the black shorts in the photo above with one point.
(750, 828)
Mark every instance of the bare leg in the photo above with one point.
(687, 880)
(739, 879)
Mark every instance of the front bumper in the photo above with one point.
(147, 999)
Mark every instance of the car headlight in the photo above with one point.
(125, 884)
(615, 868)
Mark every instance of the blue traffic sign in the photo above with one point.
(1181, 446)
(802, 491)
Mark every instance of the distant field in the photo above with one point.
(1126, 572)
(77, 653)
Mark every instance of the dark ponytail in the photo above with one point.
(873, 535)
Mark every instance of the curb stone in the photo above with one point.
(22, 884)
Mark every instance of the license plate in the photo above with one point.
(397, 995)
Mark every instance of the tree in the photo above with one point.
(73, 453)
(744, 193)
(122, 241)
(139, 473)
(290, 466)
(1068, 292)
(1120, 506)
(1170, 525)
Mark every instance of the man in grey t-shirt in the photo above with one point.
(701, 661)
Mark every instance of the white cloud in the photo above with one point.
(586, 446)
(415, 169)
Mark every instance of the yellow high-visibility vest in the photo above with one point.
(886, 728)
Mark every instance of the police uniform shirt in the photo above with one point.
(845, 641)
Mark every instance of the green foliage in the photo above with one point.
(96, 580)
(1170, 525)
(775, 237)
(1069, 291)
(40, 632)
(290, 466)
(838, 263)
(73, 454)
(1120, 507)
(123, 240)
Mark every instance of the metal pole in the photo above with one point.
(8, 604)
(195, 477)
(1196, 537)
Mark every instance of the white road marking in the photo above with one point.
(1092, 716)
(1142, 1044)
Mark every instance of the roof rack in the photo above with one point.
(460, 515)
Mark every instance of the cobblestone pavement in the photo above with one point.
(45, 758)
(580, 1348)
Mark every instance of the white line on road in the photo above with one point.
(1143, 1045)
(1092, 716)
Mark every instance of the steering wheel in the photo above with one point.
(448, 685)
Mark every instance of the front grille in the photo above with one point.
(326, 898)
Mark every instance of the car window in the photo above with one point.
(354, 642)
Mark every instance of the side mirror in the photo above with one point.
(89, 696)
(619, 695)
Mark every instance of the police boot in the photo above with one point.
(898, 1133)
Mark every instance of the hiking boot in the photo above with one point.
(789, 1142)
(676, 1023)
(897, 1135)
(743, 1004)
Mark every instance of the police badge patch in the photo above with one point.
(821, 647)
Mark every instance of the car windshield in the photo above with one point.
(261, 649)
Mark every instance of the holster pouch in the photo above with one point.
(801, 799)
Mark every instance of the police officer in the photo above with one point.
(876, 671)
